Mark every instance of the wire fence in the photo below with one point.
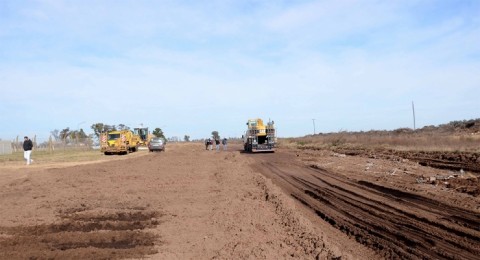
(5, 147)
(51, 144)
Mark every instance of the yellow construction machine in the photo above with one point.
(259, 137)
(144, 135)
(119, 142)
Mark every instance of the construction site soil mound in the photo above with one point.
(190, 203)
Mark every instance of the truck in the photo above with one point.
(259, 137)
(119, 142)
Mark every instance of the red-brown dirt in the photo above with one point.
(398, 207)
(191, 203)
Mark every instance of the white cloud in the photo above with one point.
(352, 65)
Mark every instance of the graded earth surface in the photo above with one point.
(190, 203)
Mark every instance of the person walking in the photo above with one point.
(27, 149)
(224, 142)
(217, 144)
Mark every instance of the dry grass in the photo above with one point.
(57, 156)
(390, 140)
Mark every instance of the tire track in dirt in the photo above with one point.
(455, 161)
(395, 223)
(82, 233)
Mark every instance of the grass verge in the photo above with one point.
(399, 142)
(57, 156)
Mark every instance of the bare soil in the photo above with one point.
(189, 203)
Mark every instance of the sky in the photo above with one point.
(192, 67)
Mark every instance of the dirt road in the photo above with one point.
(186, 203)
(394, 222)
(189, 203)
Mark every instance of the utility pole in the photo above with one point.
(313, 119)
(413, 109)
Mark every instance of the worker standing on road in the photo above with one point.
(210, 144)
(217, 144)
(27, 149)
(206, 144)
(224, 142)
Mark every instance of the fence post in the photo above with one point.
(50, 144)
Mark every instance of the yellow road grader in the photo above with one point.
(144, 134)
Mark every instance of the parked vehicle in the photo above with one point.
(119, 142)
(156, 144)
(144, 134)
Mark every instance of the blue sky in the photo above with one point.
(192, 67)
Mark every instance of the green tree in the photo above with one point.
(99, 128)
(56, 134)
(215, 135)
(159, 133)
(72, 134)
(64, 133)
(82, 134)
(123, 127)
(186, 138)
(78, 134)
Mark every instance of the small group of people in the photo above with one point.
(209, 144)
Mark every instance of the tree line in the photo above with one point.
(98, 128)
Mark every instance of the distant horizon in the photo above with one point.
(181, 138)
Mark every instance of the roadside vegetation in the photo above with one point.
(57, 156)
(461, 136)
